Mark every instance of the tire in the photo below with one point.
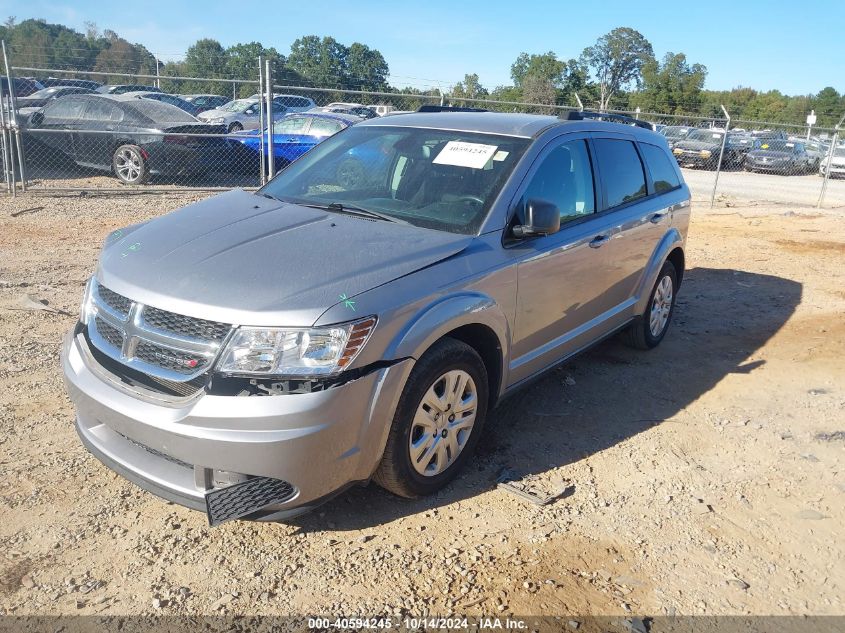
(447, 359)
(129, 165)
(235, 127)
(641, 334)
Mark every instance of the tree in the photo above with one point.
(469, 88)
(366, 67)
(206, 59)
(536, 89)
(320, 61)
(673, 86)
(547, 67)
(617, 59)
(242, 63)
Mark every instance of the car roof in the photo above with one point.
(509, 124)
(126, 96)
(349, 119)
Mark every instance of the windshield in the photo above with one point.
(705, 135)
(436, 179)
(675, 132)
(776, 146)
(239, 105)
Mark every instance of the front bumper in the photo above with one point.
(775, 168)
(185, 449)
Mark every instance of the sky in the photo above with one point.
(763, 45)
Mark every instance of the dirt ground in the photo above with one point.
(708, 475)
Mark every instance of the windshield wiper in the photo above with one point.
(349, 209)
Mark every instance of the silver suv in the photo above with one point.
(253, 354)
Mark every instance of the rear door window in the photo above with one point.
(325, 127)
(662, 170)
(621, 170)
(65, 108)
(291, 125)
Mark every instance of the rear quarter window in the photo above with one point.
(660, 165)
(621, 170)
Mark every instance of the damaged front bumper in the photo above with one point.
(258, 457)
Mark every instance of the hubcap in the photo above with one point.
(443, 423)
(128, 165)
(661, 306)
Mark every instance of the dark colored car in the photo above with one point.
(675, 133)
(133, 138)
(779, 157)
(206, 102)
(50, 82)
(24, 86)
(293, 136)
(701, 148)
(359, 111)
(173, 100)
(119, 89)
(26, 105)
(737, 146)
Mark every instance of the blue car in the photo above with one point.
(293, 135)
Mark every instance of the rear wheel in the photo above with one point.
(648, 330)
(235, 127)
(438, 420)
(129, 165)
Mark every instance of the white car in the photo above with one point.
(837, 164)
(293, 103)
(240, 114)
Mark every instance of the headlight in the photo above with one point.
(87, 306)
(301, 352)
(705, 153)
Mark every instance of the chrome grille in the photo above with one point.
(117, 302)
(186, 326)
(161, 344)
(109, 333)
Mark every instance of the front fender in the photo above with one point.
(671, 240)
(446, 314)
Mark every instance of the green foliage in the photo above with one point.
(670, 87)
(617, 60)
(328, 63)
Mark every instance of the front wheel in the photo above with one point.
(438, 421)
(648, 330)
(129, 165)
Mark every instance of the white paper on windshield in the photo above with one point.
(461, 154)
(500, 155)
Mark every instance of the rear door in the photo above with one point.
(637, 182)
(561, 277)
(95, 140)
(290, 137)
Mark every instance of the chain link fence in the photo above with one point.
(159, 133)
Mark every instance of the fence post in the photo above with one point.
(578, 99)
(3, 131)
(830, 161)
(721, 155)
(263, 171)
(271, 158)
(13, 117)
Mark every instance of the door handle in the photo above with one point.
(655, 218)
(598, 241)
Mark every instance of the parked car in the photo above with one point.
(253, 354)
(816, 151)
(778, 156)
(22, 85)
(292, 103)
(119, 89)
(164, 98)
(240, 114)
(205, 102)
(37, 100)
(769, 134)
(345, 108)
(739, 145)
(701, 148)
(293, 135)
(675, 133)
(835, 164)
(50, 82)
(132, 138)
(381, 109)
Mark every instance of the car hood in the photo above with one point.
(244, 259)
(697, 145)
(214, 114)
(764, 153)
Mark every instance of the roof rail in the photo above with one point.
(574, 115)
(440, 108)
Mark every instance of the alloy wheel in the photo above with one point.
(661, 306)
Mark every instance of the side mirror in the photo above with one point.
(541, 218)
